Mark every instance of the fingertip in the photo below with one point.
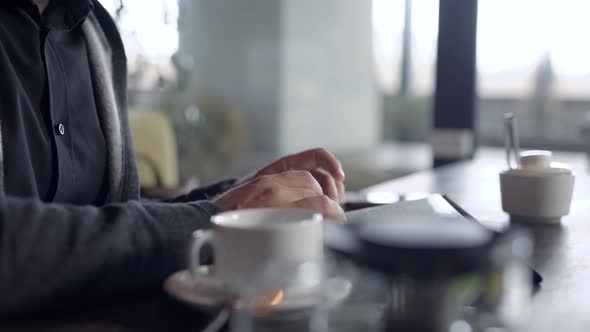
(332, 209)
(340, 168)
(341, 192)
(341, 172)
(330, 162)
(339, 215)
(343, 214)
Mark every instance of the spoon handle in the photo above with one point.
(512, 144)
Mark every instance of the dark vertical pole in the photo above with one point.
(406, 63)
(454, 102)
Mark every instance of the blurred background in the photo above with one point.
(221, 87)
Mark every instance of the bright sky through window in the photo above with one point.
(515, 34)
(512, 39)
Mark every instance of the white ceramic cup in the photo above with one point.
(537, 193)
(247, 243)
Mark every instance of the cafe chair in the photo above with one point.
(154, 143)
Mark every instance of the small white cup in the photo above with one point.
(247, 243)
(537, 192)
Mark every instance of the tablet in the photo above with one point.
(405, 208)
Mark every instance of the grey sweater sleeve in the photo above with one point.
(57, 254)
(213, 189)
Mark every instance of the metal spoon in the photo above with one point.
(511, 141)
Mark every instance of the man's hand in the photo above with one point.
(322, 165)
(290, 189)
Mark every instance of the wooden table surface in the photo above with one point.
(562, 252)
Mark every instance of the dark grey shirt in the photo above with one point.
(56, 149)
(60, 246)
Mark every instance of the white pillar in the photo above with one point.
(328, 92)
(301, 70)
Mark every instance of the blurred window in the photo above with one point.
(533, 60)
(405, 34)
(149, 30)
(388, 30)
(389, 22)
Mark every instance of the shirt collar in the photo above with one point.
(67, 14)
(60, 15)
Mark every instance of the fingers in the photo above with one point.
(314, 159)
(271, 190)
(295, 189)
(323, 204)
(287, 187)
(341, 190)
(318, 180)
(297, 180)
(328, 183)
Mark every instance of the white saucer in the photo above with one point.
(210, 297)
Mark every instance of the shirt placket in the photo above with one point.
(58, 116)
